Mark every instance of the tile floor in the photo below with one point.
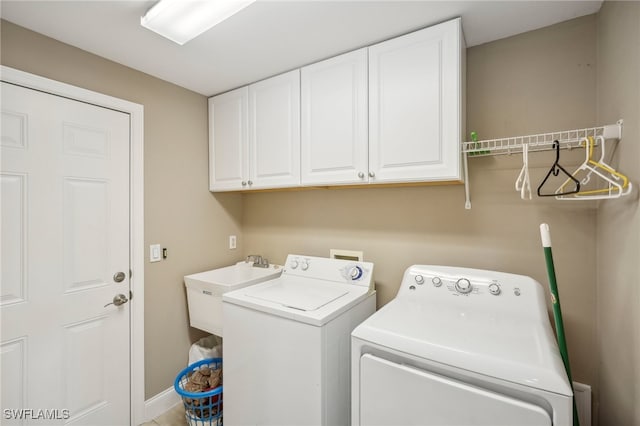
(173, 417)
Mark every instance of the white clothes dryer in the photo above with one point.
(287, 343)
(460, 347)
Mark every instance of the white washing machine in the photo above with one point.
(287, 343)
(460, 347)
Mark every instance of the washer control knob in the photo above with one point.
(304, 265)
(494, 289)
(294, 263)
(355, 273)
(463, 286)
(437, 282)
(419, 279)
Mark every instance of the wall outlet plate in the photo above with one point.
(232, 242)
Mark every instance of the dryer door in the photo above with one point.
(395, 394)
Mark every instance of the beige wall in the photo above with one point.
(180, 212)
(535, 82)
(618, 307)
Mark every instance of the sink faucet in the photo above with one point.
(258, 261)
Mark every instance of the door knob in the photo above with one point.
(119, 277)
(118, 299)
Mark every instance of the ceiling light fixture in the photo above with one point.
(183, 20)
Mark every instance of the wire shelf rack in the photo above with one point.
(541, 142)
(567, 138)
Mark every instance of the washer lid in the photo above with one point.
(302, 297)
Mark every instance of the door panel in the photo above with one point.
(14, 242)
(397, 394)
(228, 140)
(65, 233)
(274, 132)
(334, 121)
(85, 229)
(414, 106)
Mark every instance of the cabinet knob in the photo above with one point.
(361, 175)
(244, 183)
(372, 174)
(250, 183)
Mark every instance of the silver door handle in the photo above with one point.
(118, 299)
(119, 277)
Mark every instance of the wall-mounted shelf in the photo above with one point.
(540, 142)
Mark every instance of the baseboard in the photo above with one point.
(160, 403)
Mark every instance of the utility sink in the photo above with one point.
(232, 277)
(205, 289)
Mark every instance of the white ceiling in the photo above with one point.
(270, 37)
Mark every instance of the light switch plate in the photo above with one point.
(155, 253)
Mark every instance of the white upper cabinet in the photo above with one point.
(228, 140)
(415, 106)
(254, 135)
(334, 143)
(274, 132)
(389, 113)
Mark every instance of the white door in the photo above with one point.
(274, 132)
(415, 105)
(65, 236)
(228, 140)
(334, 142)
(398, 394)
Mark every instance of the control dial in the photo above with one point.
(437, 282)
(463, 286)
(294, 263)
(355, 273)
(494, 289)
(419, 279)
(304, 265)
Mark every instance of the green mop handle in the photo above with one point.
(557, 311)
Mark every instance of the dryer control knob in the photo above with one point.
(463, 286)
(304, 265)
(437, 282)
(419, 279)
(294, 264)
(494, 289)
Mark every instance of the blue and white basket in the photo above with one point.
(201, 408)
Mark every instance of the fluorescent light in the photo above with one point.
(183, 20)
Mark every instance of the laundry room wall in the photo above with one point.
(618, 222)
(180, 212)
(535, 82)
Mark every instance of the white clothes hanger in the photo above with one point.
(523, 184)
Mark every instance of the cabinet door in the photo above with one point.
(415, 106)
(334, 121)
(228, 143)
(274, 132)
